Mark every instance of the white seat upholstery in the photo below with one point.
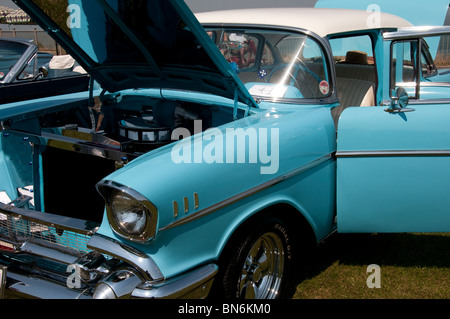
(352, 92)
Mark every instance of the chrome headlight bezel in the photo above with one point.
(138, 205)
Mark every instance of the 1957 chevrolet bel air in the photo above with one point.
(216, 152)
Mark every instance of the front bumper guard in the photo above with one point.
(128, 273)
(193, 285)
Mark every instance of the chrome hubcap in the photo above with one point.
(263, 269)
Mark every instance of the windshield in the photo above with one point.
(275, 65)
(10, 53)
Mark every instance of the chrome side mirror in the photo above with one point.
(399, 102)
(43, 72)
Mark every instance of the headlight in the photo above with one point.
(130, 214)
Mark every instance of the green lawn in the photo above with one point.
(412, 266)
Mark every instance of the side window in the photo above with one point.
(30, 70)
(403, 62)
(354, 57)
(356, 79)
(419, 64)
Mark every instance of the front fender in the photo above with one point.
(200, 204)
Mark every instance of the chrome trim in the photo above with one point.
(141, 261)
(3, 270)
(186, 205)
(95, 146)
(33, 286)
(118, 285)
(400, 110)
(429, 101)
(194, 285)
(175, 209)
(394, 153)
(416, 32)
(423, 84)
(64, 223)
(196, 201)
(249, 192)
(106, 188)
(79, 142)
(49, 251)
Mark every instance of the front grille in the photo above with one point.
(19, 230)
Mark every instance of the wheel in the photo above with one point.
(259, 264)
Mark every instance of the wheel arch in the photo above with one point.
(286, 212)
(299, 234)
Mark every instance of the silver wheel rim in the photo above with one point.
(263, 268)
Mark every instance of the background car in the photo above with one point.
(25, 73)
(20, 60)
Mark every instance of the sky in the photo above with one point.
(210, 5)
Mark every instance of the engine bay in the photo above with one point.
(62, 151)
(131, 124)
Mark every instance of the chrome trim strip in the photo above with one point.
(248, 193)
(196, 203)
(429, 101)
(82, 146)
(29, 285)
(3, 270)
(416, 32)
(423, 84)
(141, 261)
(52, 252)
(194, 285)
(61, 222)
(97, 145)
(394, 153)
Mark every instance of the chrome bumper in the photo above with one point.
(35, 267)
(193, 285)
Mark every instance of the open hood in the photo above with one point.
(128, 44)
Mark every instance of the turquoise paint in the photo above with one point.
(394, 193)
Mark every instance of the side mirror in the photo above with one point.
(399, 102)
(43, 72)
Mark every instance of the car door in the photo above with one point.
(393, 160)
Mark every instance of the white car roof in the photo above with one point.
(319, 20)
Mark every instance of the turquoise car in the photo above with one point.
(217, 149)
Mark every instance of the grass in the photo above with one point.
(412, 266)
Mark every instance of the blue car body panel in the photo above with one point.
(396, 172)
(377, 167)
(298, 128)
